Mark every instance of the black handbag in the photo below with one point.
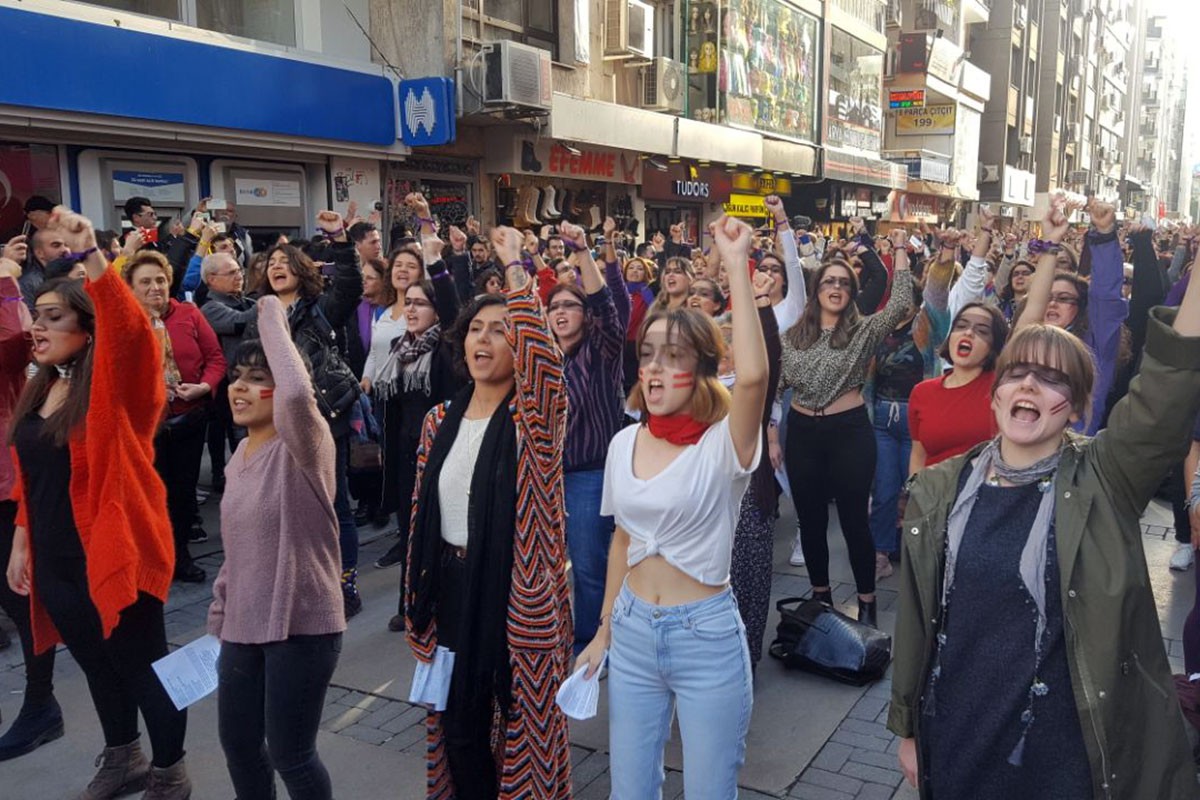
(816, 637)
(336, 386)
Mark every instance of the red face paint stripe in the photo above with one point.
(266, 393)
(1060, 406)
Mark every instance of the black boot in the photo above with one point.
(825, 596)
(36, 725)
(529, 162)
(866, 613)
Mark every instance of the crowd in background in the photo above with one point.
(507, 402)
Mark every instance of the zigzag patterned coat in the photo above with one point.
(534, 760)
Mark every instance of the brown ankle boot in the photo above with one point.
(122, 769)
(170, 783)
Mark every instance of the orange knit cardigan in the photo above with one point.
(119, 502)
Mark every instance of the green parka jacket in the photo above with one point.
(1132, 725)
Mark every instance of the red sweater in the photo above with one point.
(949, 422)
(119, 503)
(196, 349)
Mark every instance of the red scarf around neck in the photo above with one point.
(676, 428)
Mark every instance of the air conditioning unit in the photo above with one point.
(628, 29)
(1102, 153)
(1021, 19)
(516, 75)
(989, 173)
(664, 85)
(1025, 145)
(1073, 132)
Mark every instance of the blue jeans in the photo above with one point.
(691, 659)
(589, 536)
(892, 447)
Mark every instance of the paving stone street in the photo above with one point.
(810, 738)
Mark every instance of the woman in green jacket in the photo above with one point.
(1028, 655)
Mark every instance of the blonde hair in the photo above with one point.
(710, 399)
(663, 300)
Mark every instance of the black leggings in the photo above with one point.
(39, 670)
(467, 731)
(118, 669)
(269, 708)
(833, 456)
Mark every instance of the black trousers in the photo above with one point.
(178, 448)
(269, 708)
(467, 731)
(118, 669)
(833, 456)
(39, 670)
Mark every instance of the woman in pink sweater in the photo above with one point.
(277, 602)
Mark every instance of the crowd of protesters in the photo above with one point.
(989, 412)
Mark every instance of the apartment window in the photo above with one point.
(264, 20)
(532, 22)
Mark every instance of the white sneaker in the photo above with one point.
(797, 557)
(1182, 558)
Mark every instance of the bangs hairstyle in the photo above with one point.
(684, 264)
(59, 426)
(807, 330)
(412, 250)
(1058, 349)
(690, 328)
(311, 282)
(782, 268)
(999, 334)
(143, 258)
(251, 355)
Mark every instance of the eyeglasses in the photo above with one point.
(707, 294)
(775, 268)
(227, 274)
(1048, 377)
(565, 305)
(1022, 273)
(1065, 299)
(980, 329)
(416, 302)
(827, 284)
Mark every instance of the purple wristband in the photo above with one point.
(574, 248)
(333, 234)
(1037, 247)
(425, 221)
(80, 256)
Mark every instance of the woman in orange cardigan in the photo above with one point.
(93, 547)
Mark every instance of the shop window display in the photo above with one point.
(854, 116)
(767, 70)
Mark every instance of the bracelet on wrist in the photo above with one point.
(333, 234)
(1037, 247)
(81, 255)
(761, 296)
(425, 221)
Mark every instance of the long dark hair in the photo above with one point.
(807, 330)
(311, 282)
(62, 423)
(999, 334)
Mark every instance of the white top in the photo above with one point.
(383, 331)
(688, 512)
(789, 310)
(454, 484)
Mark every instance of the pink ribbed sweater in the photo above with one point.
(282, 570)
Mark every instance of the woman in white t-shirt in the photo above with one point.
(674, 485)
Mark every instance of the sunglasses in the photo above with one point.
(980, 329)
(834, 283)
(1047, 377)
(1021, 273)
(565, 305)
(1065, 299)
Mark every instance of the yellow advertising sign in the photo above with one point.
(746, 205)
(928, 121)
